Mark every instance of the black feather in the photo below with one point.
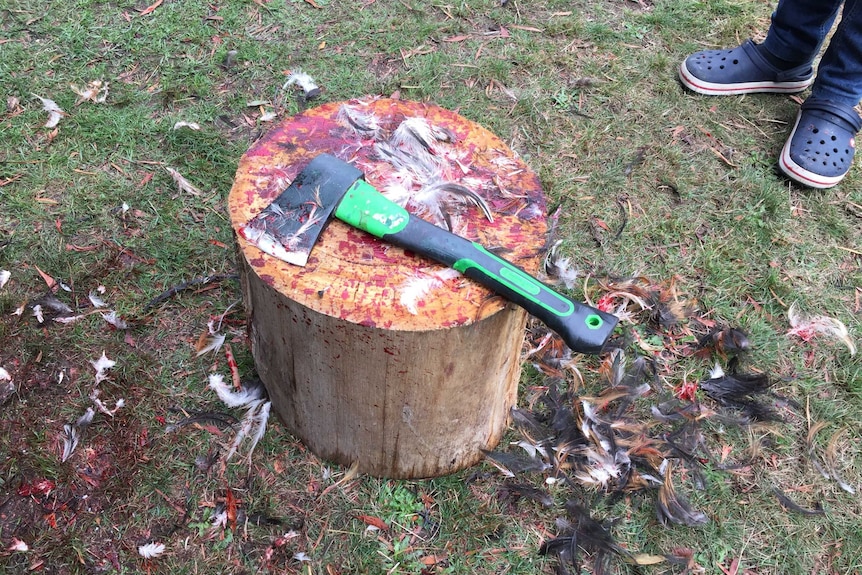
(514, 491)
(512, 464)
(530, 427)
(791, 505)
(725, 340)
(674, 508)
(743, 392)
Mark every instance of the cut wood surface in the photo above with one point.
(376, 355)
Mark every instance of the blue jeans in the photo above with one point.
(799, 28)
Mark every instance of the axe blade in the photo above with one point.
(289, 227)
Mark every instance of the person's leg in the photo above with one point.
(821, 146)
(782, 64)
(798, 29)
(839, 75)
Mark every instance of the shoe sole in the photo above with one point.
(712, 89)
(799, 174)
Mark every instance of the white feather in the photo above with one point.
(242, 398)
(102, 365)
(261, 417)
(151, 550)
(115, 320)
(215, 342)
(71, 436)
(302, 80)
(55, 114)
(414, 289)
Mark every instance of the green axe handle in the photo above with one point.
(583, 328)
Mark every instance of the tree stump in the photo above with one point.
(371, 354)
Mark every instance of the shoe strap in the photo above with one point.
(845, 114)
(792, 74)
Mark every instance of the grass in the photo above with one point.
(585, 92)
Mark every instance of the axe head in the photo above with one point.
(289, 227)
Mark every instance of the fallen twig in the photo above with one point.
(199, 281)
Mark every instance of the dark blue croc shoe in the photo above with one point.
(740, 70)
(820, 149)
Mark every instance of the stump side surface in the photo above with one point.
(400, 404)
(355, 277)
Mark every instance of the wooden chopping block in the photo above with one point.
(370, 354)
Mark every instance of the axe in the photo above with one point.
(289, 227)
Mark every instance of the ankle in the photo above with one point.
(779, 63)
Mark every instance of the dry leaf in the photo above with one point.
(373, 521)
(645, 559)
(152, 7)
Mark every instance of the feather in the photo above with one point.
(309, 87)
(830, 456)
(71, 436)
(741, 391)
(530, 427)
(809, 442)
(672, 507)
(95, 91)
(432, 194)
(183, 184)
(96, 299)
(510, 491)
(416, 287)
(151, 550)
(510, 464)
(242, 398)
(725, 340)
(253, 423)
(418, 136)
(115, 320)
(808, 327)
(94, 397)
(791, 505)
(55, 114)
(260, 419)
(72, 433)
(204, 463)
(190, 125)
(560, 269)
(7, 386)
(102, 365)
(211, 342)
(365, 124)
(581, 531)
(412, 168)
(4, 277)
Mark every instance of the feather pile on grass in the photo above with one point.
(630, 433)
